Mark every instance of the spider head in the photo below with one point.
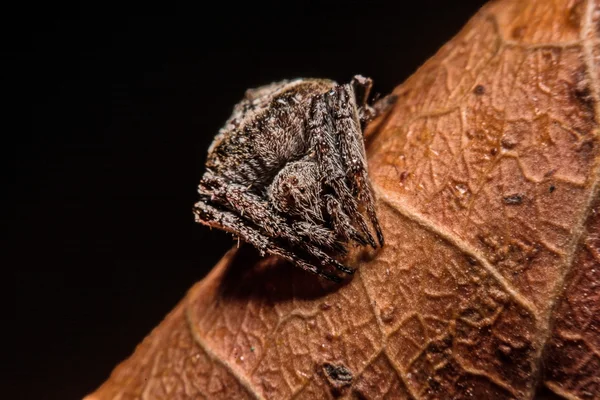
(296, 190)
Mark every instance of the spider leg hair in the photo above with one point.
(228, 221)
(341, 222)
(252, 208)
(321, 131)
(347, 129)
(256, 210)
(362, 89)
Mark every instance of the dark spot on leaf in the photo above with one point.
(582, 94)
(586, 146)
(338, 375)
(387, 314)
(552, 188)
(358, 395)
(403, 176)
(433, 383)
(518, 32)
(508, 143)
(479, 90)
(514, 199)
(494, 151)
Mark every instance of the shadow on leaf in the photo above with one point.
(250, 275)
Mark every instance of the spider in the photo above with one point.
(288, 173)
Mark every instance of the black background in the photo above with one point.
(113, 108)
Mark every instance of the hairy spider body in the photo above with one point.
(288, 173)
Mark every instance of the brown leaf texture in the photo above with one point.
(486, 172)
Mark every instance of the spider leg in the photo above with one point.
(367, 112)
(347, 129)
(362, 89)
(321, 130)
(226, 220)
(341, 222)
(319, 234)
(253, 208)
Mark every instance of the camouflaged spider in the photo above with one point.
(288, 173)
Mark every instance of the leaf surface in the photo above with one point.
(486, 173)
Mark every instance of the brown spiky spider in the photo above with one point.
(288, 173)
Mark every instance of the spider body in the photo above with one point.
(288, 173)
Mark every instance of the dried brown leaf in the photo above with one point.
(486, 173)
